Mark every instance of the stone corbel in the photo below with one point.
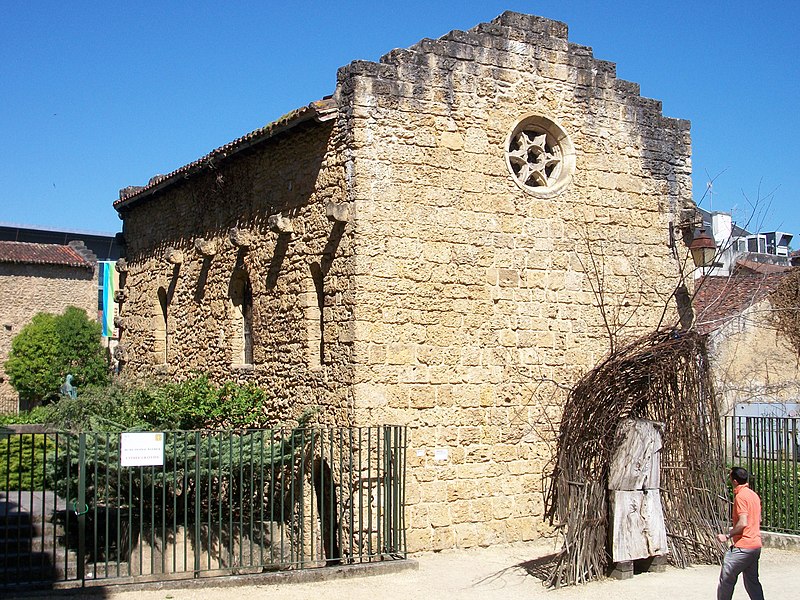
(339, 213)
(690, 219)
(205, 247)
(280, 224)
(120, 296)
(121, 266)
(120, 322)
(121, 352)
(241, 238)
(173, 256)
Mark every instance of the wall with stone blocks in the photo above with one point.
(477, 301)
(289, 176)
(454, 301)
(752, 362)
(26, 290)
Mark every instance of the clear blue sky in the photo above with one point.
(98, 96)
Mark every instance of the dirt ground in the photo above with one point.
(500, 572)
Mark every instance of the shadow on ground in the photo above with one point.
(540, 568)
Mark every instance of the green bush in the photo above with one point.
(200, 404)
(35, 415)
(194, 404)
(256, 467)
(124, 406)
(24, 460)
(110, 408)
(778, 484)
(52, 346)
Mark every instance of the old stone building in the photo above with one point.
(447, 242)
(38, 278)
(756, 368)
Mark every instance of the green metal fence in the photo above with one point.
(72, 508)
(769, 448)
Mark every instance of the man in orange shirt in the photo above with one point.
(743, 555)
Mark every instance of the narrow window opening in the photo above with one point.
(241, 295)
(162, 331)
(247, 323)
(315, 317)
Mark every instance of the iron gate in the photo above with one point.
(769, 448)
(72, 508)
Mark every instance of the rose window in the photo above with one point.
(540, 156)
(535, 162)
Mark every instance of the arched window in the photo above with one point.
(161, 346)
(241, 295)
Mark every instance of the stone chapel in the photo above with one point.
(446, 242)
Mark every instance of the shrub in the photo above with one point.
(50, 347)
(778, 484)
(200, 404)
(111, 408)
(35, 415)
(23, 467)
(194, 404)
(256, 467)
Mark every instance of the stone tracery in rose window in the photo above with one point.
(540, 156)
(535, 160)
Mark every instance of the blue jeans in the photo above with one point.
(740, 560)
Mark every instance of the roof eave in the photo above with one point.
(49, 263)
(319, 111)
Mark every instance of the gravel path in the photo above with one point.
(500, 572)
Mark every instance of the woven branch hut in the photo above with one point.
(662, 377)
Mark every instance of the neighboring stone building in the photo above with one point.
(429, 246)
(38, 278)
(754, 365)
(103, 245)
(99, 247)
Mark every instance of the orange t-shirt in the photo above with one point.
(746, 501)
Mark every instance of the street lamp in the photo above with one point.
(703, 249)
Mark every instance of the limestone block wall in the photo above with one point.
(26, 290)
(453, 300)
(294, 258)
(752, 362)
(478, 303)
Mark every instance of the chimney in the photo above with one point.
(722, 228)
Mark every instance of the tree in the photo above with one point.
(50, 347)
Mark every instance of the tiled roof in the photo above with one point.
(321, 110)
(761, 267)
(42, 254)
(719, 299)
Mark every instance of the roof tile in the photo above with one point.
(321, 110)
(719, 299)
(763, 268)
(42, 254)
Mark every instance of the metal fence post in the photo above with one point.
(197, 544)
(79, 507)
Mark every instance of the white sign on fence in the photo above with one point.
(141, 449)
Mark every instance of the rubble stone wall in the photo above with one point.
(478, 303)
(26, 290)
(291, 177)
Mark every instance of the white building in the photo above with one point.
(763, 252)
